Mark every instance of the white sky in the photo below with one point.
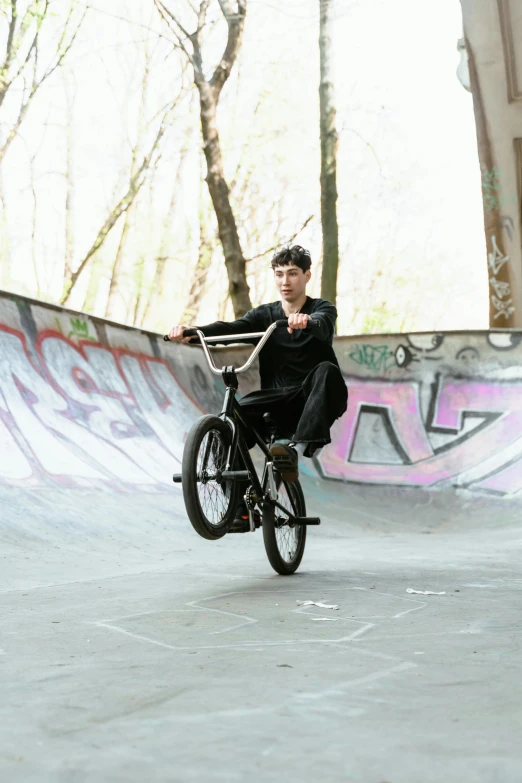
(408, 174)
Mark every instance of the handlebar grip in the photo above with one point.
(284, 322)
(186, 333)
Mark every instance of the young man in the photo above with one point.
(301, 384)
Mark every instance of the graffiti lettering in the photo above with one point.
(501, 289)
(73, 418)
(496, 259)
(472, 430)
(491, 190)
(503, 308)
(375, 357)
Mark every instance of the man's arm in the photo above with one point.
(247, 323)
(323, 321)
(250, 322)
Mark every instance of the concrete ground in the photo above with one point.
(132, 650)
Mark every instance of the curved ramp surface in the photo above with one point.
(93, 419)
(131, 648)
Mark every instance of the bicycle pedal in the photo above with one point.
(176, 478)
(307, 521)
(241, 527)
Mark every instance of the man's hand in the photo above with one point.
(176, 334)
(297, 321)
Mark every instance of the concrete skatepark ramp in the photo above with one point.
(87, 403)
(123, 630)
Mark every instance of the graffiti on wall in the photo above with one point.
(492, 195)
(501, 297)
(376, 357)
(76, 411)
(462, 431)
(83, 414)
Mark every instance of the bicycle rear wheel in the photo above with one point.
(210, 502)
(285, 542)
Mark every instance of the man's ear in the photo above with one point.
(308, 275)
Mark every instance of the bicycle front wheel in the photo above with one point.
(210, 502)
(285, 542)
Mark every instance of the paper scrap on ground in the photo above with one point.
(424, 592)
(316, 603)
(325, 619)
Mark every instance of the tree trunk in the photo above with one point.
(116, 288)
(328, 157)
(500, 283)
(238, 287)
(209, 92)
(125, 203)
(116, 306)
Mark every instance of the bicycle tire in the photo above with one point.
(225, 495)
(272, 538)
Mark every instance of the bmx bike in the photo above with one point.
(216, 463)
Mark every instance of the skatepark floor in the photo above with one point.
(133, 650)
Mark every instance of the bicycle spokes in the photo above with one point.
(214, 495)
(287, 535)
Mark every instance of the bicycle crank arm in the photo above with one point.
(225, 475)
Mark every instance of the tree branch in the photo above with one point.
(236, 22)
(123, 204)
(279, 244)
(175, 27)
(62, 51)
(10, 36)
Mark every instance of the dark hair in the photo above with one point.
(292, 255)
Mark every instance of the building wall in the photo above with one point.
(493, 31)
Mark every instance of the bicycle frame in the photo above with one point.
(231, 413)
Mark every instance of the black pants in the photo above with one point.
(302, 413)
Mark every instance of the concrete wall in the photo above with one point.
(89, 404)
(431, 410)
(493, 31)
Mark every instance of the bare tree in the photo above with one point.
(205, 251)
(164, 250)
(34, 223)
(328, 157)
(116, 288)
(21, 70)
(134, 184)
(209, 90)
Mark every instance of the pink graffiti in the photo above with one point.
(487, 456)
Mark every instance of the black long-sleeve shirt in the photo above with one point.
(286, 359)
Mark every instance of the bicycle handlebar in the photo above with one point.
(247, 335)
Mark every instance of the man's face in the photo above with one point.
(291, 281)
